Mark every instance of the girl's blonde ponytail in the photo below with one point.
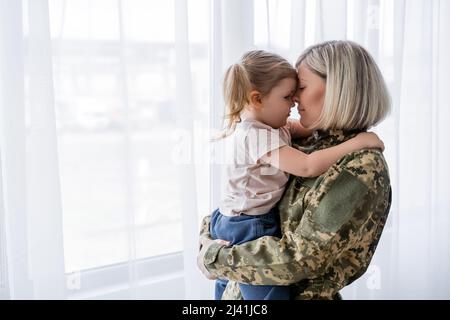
(236, 89)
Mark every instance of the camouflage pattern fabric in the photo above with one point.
(331, 226)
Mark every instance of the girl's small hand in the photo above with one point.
(370, 140)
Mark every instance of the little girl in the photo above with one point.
(259, 94)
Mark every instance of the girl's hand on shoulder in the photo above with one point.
(370, 140)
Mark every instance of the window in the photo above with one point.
(114, 81)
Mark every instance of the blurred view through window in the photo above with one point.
(114, 71)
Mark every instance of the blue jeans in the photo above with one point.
(240, 229)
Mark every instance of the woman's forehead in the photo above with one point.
(303, 71)
(305, 74)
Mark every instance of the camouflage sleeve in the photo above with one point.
(345, 197)
(204, 226)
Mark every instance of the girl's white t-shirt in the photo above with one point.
(253, 188)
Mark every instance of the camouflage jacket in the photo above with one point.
(331, 226)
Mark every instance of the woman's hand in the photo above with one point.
(205, 243)
(369, 140)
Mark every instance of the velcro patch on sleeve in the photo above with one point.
(339, 203)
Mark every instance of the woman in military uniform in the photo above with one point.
(330, 224)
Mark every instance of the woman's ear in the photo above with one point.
(256, 99)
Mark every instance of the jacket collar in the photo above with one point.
(322, 139)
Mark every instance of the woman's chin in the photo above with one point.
(304, 123)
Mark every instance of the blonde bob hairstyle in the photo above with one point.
(356, 96)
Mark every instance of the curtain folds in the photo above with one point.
(31, 189)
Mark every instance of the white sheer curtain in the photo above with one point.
(423, 151)
(104, 126)
(88, 128)
(31, 189)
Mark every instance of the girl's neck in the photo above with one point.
(250, 114)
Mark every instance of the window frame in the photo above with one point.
(159, 277)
